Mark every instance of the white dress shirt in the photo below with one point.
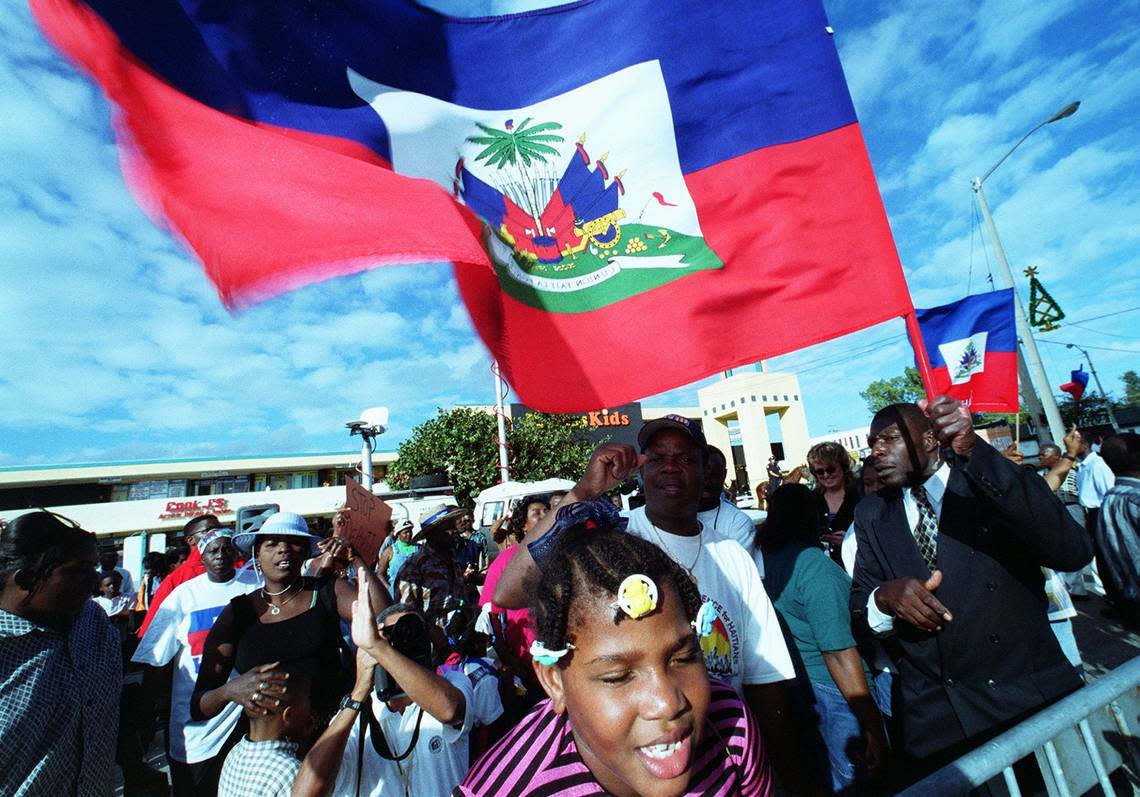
(1094, 480)
(880, 622)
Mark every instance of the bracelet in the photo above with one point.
(348, 702)
(1069, 457)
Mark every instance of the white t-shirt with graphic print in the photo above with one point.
(746, 645)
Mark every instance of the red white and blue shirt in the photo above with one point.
(179, 628)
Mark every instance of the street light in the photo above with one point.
(373, 423)
(1030, 371)
(1107, 401)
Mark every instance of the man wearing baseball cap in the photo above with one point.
(743, 645)
(432, 579)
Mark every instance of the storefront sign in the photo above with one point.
(618, 424)
(192, 508)
(607, 418)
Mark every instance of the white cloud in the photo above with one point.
(116, 346)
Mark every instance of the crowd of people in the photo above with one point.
(885, 617)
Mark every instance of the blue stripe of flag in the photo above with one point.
(990, 312)
(741, 74)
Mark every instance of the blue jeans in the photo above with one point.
(841, 735)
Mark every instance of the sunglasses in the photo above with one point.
(830, 470)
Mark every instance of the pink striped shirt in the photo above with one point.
(539, 758)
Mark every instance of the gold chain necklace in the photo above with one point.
(674, 557)
(275, 608)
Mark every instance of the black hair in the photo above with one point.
(200, 523)
(175, 553)
(905, 414)
(518, 517)
(1121, 453)
(795, 515)
(38, 542)
(114, 575)
(594, 561)
(157, 562)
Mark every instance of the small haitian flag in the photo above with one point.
(1078, 381)
(972, 347)
(634, 194)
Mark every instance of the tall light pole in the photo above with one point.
(1107, 401)
(501, 424)
(1030, 371)
(373, 423)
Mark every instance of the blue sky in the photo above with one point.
(115, 346)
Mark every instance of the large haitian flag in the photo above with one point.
(665, 190)
(972, 348)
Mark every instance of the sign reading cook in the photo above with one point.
(189, 509)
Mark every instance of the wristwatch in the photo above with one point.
(348, 702)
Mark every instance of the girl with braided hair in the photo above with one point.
(630, 710)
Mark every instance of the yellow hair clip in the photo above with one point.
(636, 596)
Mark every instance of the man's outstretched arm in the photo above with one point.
(609, 466)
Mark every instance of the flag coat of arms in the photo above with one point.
(634, 194)
(971, 345)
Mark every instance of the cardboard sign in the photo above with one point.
(367, 521)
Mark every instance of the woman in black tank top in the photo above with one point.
(290, 624)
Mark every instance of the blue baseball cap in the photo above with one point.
(679, 422)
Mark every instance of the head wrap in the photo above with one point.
(209, 535)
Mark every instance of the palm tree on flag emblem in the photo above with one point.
(521, 147)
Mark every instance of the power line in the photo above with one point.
(1099, 332)
(1106, 315)
(1084, 346)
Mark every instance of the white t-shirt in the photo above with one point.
(434, 768)
(729, 521)
(746, 645)
(179, 628)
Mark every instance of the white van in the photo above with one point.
(498, 501)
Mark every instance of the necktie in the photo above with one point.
(926, 530)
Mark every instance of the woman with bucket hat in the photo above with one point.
(290, 624)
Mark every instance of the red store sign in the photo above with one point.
(189, 509)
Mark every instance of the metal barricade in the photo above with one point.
(1079, 742)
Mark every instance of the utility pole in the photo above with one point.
(1030, 371)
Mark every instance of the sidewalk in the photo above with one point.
(1104, 643)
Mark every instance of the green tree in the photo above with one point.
(1091, 410)
(1131, 381)
(462, 443)
(896, 390)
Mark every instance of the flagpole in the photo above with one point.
(920, 358)
(501, 421)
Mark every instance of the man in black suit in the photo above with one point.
(949, 566)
